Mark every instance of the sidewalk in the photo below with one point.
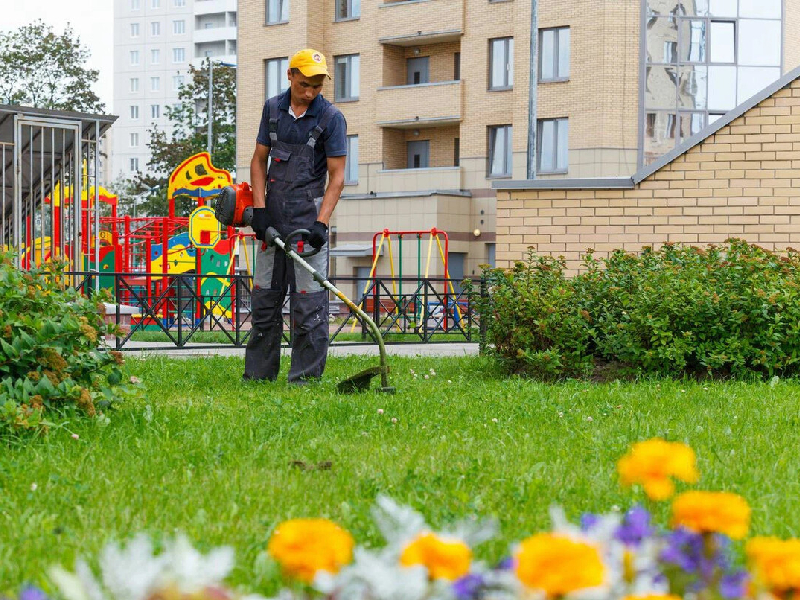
(153, 349)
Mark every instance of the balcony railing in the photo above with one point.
(422, 105)
(411, 22)
(211, 7)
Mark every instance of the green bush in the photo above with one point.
(728, 310)
(51, 365)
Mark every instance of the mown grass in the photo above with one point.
(220, 337)
(206, 454)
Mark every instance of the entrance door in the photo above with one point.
(418, 154)
(417, 70)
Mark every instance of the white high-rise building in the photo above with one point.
(155, 41)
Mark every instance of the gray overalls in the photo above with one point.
(293, 200)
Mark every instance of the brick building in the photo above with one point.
(437, 97)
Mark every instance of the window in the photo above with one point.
(134, 111)
(134, 57)
(457, 66)
(456, 152)
(134, 164)
(347, 77)
(552, 145)
(723, 38)
(277, 11)
(419, 154)
(155, 3)
(134, 140)
(135, 5)
(134, 30)
(351, 166)
(155, 84)
(155, 56)
(554, 54)
(501, 66)
(276, 76)
(417, 70)
(348, 9)
(134, 84)
(178, 3)
(178, 55)
(500, 151)
(155, 111)
(179, 27)
(155, 28)
(177, 82)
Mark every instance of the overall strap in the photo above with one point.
(272, 104)
(324, 121)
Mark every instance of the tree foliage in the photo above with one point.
(189, 126)
(45, 69)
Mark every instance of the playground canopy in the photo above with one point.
(41, 151)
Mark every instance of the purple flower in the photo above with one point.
(635, 527)
(588, 520)
(683, 549)
(32, 593)
(506, 564)
(733, 585)
(468, 587)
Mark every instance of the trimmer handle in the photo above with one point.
(272, 235)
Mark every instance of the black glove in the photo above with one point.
(318, 235)
(260, 223)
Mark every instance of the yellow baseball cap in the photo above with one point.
(310, 62)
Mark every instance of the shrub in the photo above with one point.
(51, 365)
(732, 309)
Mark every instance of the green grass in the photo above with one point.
(208, 455)
(219, 337)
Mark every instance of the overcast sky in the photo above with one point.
(92, 21)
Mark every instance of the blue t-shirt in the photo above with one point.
(296, 131)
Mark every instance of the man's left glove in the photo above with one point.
(318, 235)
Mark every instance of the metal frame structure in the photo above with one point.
(43, 150)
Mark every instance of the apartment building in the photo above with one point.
(155, 41)
(437, 94)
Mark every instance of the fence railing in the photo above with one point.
(214, 310)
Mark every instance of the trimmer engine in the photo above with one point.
(234, 205)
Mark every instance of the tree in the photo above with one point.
(43, 69)
(189, 123)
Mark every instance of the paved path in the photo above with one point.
(147, 349)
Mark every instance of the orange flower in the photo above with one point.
(712, 512)
(305, 546)
(444, 559)
(653, 463)
(557, 564)
(775, 563)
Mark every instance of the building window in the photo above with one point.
(500, 151)
(351, 166)
(155, 3)
(457, 152)
(134, 164)
(501, 64)
(134, 30)
(134, 84)
(277, 11)
(179, 3)
(134, 57)
(155, 28)
(177, 82)
(179, 27)
(134, 140)
(155, 56)
(155, 111)
(419, 153)
(277, 82)
(554, 54)
(178, 55)
(347, 77)
(348, 9)
(552, 146)
(134, 111)
(155, 84)
(135, 5)
(457, 66)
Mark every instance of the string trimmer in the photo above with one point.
(233, 207)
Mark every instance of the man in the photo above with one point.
(304, 137)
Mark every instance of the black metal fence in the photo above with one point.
(157, 312)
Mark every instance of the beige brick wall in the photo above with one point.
(743, 181)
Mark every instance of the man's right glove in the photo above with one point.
(260, 223)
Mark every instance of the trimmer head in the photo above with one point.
(360, 382)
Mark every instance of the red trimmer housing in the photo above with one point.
(234, 205)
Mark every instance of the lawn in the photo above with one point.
(225, 461)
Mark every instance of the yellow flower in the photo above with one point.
(305, 546)
(653, 463)
(775, 563)
(557, 564)
(444, 559)
(712, 512)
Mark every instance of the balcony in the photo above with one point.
(394, 181)
(423, 105)
(213, 7)
(214, 34)
(414, 22)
